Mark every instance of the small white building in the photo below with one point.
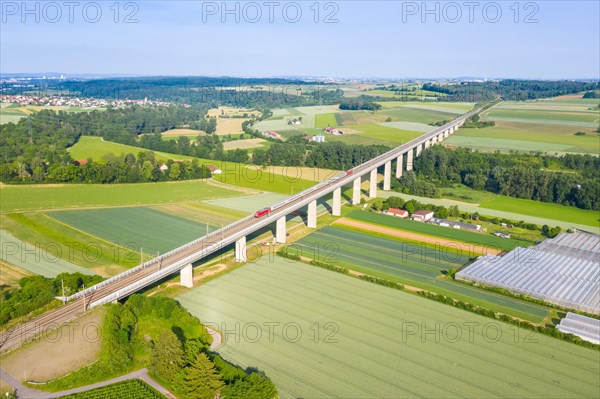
(214, 170)
(164, 168)
(422, 216)
(319, 138)
(401, 213)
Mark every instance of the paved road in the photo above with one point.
(25, 392)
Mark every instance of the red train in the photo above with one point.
(262, 212)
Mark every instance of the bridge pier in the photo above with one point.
(336, 207)
(409, 159)
(387, 176)
(311, 221)
(427, 144)
(441, 137)
(356, 191)
(280, 231)
(446, 133)
(399, 166)
(240, 250)
(186, 276)
(419, 149)
(373, 184)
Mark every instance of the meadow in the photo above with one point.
(544, 125)
(438, 231)
(34, 259)
(277, 179)
(409, 262)
(139, 228)
(56, 240)
(544, 210)
(321, 334)
(325, 120)
(21, 198)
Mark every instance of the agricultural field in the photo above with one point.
(325, 120)
(275, 179)
(410, 261)
(336, 336)
(545, 210)
(396, 123)
(138, 228)
(546, 125)
(13, 113)
(22, 198)
(11, 274)
(34, 259)
(245, 144)
(438, 231)
(130, 389)
(182, 132)
(60, 247)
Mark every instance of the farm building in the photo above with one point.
(584, 327)
(457, 225)
(164, 168)
(272, 134)
(422, 216)
(333, 131)
(564, 270)
(214, 170)
(317, 139)
(401, 213)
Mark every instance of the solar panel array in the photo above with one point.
(584, 327)
(564, 271)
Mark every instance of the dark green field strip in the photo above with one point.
(388, 258)
(371, 356)
(438, 231)
(144, 228)
(131, 389)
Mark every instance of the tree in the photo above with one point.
(175, 171)
(168, 357)
(410, 207)
(256, 386)
(452, 272)
(377, 204)
(201, 380)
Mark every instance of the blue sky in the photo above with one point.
(395, 39)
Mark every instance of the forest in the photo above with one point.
(568, 180)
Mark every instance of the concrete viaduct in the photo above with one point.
(181, 259)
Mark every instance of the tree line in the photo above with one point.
(571, 179)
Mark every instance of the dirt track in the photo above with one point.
(474, 250)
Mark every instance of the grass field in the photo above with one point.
(11, 274)
(19, 198)
(38, 260)
(545, 210)
(544, 125)
(363, 348)
(244, 144)
(57, 240)
(438, 231)
(325, 120)
(139, 228)
(276, 179)
(413, 263)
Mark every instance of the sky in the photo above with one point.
(345, 39)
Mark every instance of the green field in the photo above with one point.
(131, 389)
(547, 126)
(325, 120)
(545, 210)
(487, 240)
(410, 263)
(19, 198)
(249, 176)
(138, 228)
(36, 259)
(58, 240)
(363, 348)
